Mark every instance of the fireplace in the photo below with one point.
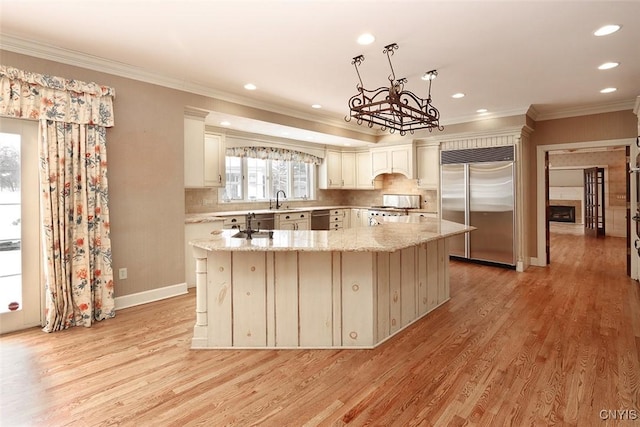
(560, 213)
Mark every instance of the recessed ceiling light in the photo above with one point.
(482, 110)
(365, 39)
(606, 30)
(316, 106)
(250, 86)
(608, 65)
(608, 90)
(458, 95)
(225, 123)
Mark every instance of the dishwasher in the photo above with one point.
(263, 222)
(320, 219)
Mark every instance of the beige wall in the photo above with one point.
(145, 155)
(595, 127)
(146, 170)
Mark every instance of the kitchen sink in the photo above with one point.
(255, 234)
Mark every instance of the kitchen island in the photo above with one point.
(351, 288)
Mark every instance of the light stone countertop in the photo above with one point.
(219, 216)
(394, 234)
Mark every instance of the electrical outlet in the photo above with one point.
(122, 273)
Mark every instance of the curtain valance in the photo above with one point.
(35, 96)
(273, 153)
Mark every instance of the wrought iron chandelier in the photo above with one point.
(393, 108)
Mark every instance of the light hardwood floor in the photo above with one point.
(549, 346)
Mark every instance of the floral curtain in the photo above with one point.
(74, 197)
(273, 153)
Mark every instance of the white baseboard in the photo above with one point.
(150, 296)
(536, 262)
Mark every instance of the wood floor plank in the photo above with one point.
(552, 345)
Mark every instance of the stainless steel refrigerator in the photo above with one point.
(477, 189)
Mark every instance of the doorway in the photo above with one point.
(594, 202)
(616, 196)
(20, 279)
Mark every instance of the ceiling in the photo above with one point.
(505, 56)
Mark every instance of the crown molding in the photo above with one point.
(636, 108)
(563, 113)
(69, 57)
(493, 115)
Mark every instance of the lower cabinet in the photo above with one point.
(316, 299)
(231, 222)
(339, 219)
(359, 217)
(293, 221)
(200, 230)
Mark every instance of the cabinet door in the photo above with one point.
(428, 165)
(331, 171)
(348, 170)
(380, 162)
(303, 224)
(364, 179)
(214, 167)
(193, 151)
(364, 217)
(402, 160)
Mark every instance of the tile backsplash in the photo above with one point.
(203, 200)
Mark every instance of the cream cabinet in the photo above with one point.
(424, 214)
(234, 222)
(293, 221)
(331, 171)
(214, 162)
(338, 170)
(428, 166)
(348, 170)
(203, 153)
(364, 178)
(348, 164)
(359, 218)
(192, 231)
(393, 159)
(339, 219)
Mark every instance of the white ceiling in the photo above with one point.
(504, 55)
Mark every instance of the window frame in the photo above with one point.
(311, 177)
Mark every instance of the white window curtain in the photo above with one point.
(74, 196)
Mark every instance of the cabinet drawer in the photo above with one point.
(294, 216)
(335, 225)
(233, 222)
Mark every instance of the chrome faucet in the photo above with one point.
(278, 204)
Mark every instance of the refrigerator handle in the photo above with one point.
(467, 206)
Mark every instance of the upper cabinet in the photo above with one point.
(364, 178)
(428, 166)
(331, 171)
(393, 159)
(203, 153)
(348, 170)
